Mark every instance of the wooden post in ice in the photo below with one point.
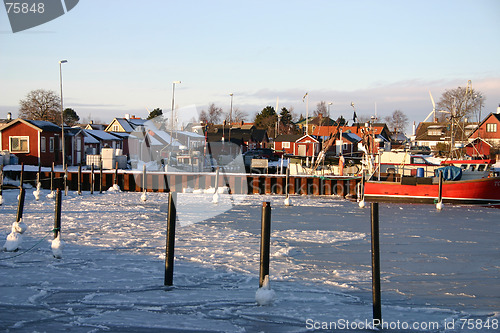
(439, 204)
(169, 249)
(100, 176)
(144, 184)
(92, 178)
(1, 184)
(52, 177)
(287, 178)
(265, 240)
(215, 198)
(57, 244)
(377, 306)
(38, 175)
(65, 181)
(21, 176)
(57, 216)
(116, 174)
(20, 205)
(79, 179)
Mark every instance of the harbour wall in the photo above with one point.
(238, 183)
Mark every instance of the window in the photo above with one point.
(285, 144)
(43, 144)
(435, 131)
(19, 144)
(116, 128)
(491, 128)
(51, 145)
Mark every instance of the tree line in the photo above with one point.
(455, 104)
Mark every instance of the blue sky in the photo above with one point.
(123, 55)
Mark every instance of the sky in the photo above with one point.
(381, 55)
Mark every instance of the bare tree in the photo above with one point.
(41, 104)
(321, 109)
(397, 122)
(461, 102)
(212, 116)
(238, 116)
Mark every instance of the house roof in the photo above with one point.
(305, 137)
(127, 127)
(495, 115)
(102, 135)
(288, 137)
(39, 125)
(324, 130)
(351, 137)
(237, 135)
(322, 121)
(72, 131)
(95, 126)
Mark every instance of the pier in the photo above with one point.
(237, 183)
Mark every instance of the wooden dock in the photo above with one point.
(238, 183)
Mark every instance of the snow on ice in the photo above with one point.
(438, 267)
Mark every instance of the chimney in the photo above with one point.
(9, 116)
(127, 116)
(414, 129)
(91, 122)
(498, 109)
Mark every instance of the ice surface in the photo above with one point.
(436, 266)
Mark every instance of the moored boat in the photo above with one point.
(461, 185)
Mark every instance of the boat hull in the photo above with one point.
(484, 191)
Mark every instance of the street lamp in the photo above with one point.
(231, 110)
(307, 111)
(62, 113)
(172, 120)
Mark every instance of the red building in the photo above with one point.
(296, 144)
(37, 141)
(489, 129)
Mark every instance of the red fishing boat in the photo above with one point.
(463, 182)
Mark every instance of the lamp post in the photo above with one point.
(62, 113)
(173, 101)
(231, 110)
(306, 96)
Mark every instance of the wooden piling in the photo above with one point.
(92, 179)
(1, 181)
(377, 306)
(52, 177)
(57, 215)
(80, 179)
(265, 241)
(115, 181)
(100, 176)
(65, 181)
(170, 241)
(21, 177)
(20, 204)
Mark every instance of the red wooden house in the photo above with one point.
(298, 145)
(37, 141)
(32, 141)
(489, 129)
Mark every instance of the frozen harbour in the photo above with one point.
(440, 270)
